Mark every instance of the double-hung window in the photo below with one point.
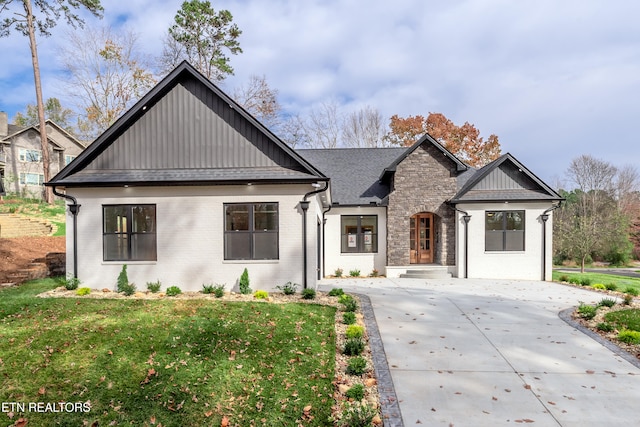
(251, 231)
(504, 231)
(359, 233)
(30, 156)
(31, 178)
(129, 233)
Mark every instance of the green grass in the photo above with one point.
(624, 319)
(621, 282)
(37, 209)
(169, 362)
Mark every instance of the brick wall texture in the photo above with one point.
(423, 182)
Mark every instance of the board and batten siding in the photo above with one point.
(190, 237)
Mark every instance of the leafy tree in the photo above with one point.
(107, 75)
(19, 14)
(53, 111)
(463, 141)
(202, 36)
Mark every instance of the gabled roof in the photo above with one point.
(15, 130)
(186, 131)
(504, 179)
(426, 139)
(354, 172)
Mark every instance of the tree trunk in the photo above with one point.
(582, 264)
(44, 142)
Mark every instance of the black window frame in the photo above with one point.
(504, 231)
(361, 245)
(251, 233)
(129, 233)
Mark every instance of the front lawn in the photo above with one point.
(618, 283)
(165, 362)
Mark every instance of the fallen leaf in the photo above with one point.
(224, 422)
(590, 372)
(208, 414)
(42, 390)
(21, 422)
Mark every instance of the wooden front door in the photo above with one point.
(421, 238)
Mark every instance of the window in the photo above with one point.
(31, 178)
(251, 231)
(129, 233)
(68, 159)
(504, 231)
(359, 233)
(31, 156)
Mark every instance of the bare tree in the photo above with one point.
(173, 53)
(363, 128)
(260, 100)
(292, 131)
(324, 126)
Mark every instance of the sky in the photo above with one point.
(553, 79)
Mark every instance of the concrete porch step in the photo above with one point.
(430, 272)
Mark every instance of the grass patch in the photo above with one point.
(610, 281)
(625, 319)
(169, 362)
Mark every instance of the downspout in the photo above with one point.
(466, 217)
(74, 208)
(324, 222)
(545, 217)
(304, 205)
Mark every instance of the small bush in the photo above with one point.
(357, 366)
(308, 293)
(261, 294)
(71, 283)
(585, 281)
(123, 280)
(354, 273)
(627, 299)
(587, 312)
(574, 280)
(336, 292)
(218, 290)
(348, 302)
(604, 327)
(83, 291)
(611, 286)
(355, 393)
(349, 318)
(207, 289)
(356, 414)
(354, 331)
(338, 272)
(243, 283)
(631, 291)
(374, 273)
(353, 347)
(172, 291)
(129, 289)
(629, 337)
(288, 288)
(599, 286)
(607, 302)
(563, 278)
(154, 287)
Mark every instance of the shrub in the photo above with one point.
(71, 283)
(288, 288)
(629, 337)
(83, 291)
(587, 312)
(353, 347)
(308, 293)
(599, 286)
(563, 278)
(374, 273)
(585, 281)
(574, 280)
(631, 291)
(336, 292)
(261, 294)
(357, 366)
(356, 414)
(356, 392)
(123, 279)
(338, 272)
(354, 273)
(627, 299)
(348, 302)
(354, 331)
(604, 327)
(611, 286)
(154, 287)
(244, 283)
(128, 289)
(207, 289)
(218, 290)
(349, 318)
(607, 302)
(172, 291)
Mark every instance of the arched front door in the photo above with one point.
(421, 238)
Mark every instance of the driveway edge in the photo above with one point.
(389, 406)
(566, 316)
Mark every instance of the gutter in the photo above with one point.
(324, 222)
(544, 217)
(304, 205)
(466, 217)
(74, 208)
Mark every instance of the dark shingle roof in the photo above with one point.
(354, 172)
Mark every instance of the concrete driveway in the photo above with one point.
(491, 353)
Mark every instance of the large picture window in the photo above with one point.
(504, 231)
(129, 233)
(251, 231)
(359, 233)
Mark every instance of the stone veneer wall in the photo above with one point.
(423, 182)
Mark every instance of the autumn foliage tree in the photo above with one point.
(463, 141)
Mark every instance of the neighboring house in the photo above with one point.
(189, 188)
(21, 166)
